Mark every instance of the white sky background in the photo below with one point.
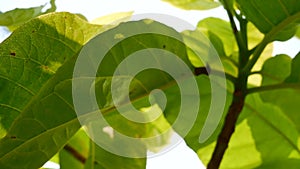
(181, 156)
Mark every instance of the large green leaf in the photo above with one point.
(194, 4)
(261, 127)
(279, 25)
(49, 116)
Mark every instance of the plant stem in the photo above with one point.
(75, 153)
(239, 94)
(274, 87)
(241, 41)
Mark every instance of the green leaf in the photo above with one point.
(276, 69)
(279, 25)
(294, 76)
(220, 35)
(261, 127)
(49, 117)
(113, 19)
(28, 61)
(31, 53)
(194, 4)
(282, 70)
(221, 29)
(14, 18)
(298, 32)
(192, 137)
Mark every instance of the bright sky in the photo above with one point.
(181, 156)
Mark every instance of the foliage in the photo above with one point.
(261, 115)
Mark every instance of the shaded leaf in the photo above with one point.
(279, 25)
(14, 18)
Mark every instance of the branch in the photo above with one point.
(208, 71)
(75, 153)
(274, 87)
(227, 130)
(227, 75)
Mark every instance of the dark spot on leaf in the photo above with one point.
(32, 31)
(12, 53)
(13, 137)
(164, 46)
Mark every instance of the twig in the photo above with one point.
(274, 87)
(75, 153)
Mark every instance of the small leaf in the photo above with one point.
(14, 18)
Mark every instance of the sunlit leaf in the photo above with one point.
(279, 70)
(194, 4)
(262, 127)
(113, 19)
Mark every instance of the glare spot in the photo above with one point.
(109, 130)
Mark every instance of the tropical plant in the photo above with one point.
(259, 127)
